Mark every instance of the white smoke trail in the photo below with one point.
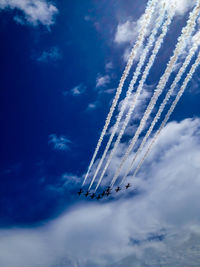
(180, 93)
(143, 31)
(130, 88)
(139, 89)
(162, 106)
(187, 30)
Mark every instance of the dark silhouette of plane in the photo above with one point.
(93, 196)
(108, 190)
(127, 186)
(80, 192)
(98, 197)
(118, 189)
(108, 193)
(103, 194)
(87, 193)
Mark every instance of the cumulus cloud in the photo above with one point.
(53, 54)
(59, 142)
(158, 223)
(34, 11)
(127, 32)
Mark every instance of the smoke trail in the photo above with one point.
(187, 30)
(180, 93)
(139, 89)
(147, 17)
(162, 106)
(130, 88)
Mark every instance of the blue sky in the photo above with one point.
(61, 62)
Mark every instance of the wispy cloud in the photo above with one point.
(59, 142)
(53, 54)
(34, 11)
(109, 66)
(76, 91)
(92, 106)
(102, 81)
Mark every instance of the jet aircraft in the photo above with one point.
(118, 189)
(87, 193)
(98, 197)
(108, 190)
(103, 194)
(80, 192)
(127, 186)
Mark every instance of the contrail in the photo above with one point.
(139, 89)
(180, 93)
(187, 30)
(162, 106)
(147, 18)
(130, 88)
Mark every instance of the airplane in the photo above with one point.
(108, 193)
(80, 192)
(87, 193)
(118, 189)
(127, 186)
(108, 189)
(99, 196)
(103, 194)
(93, 196)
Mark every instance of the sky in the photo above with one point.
(61, 62)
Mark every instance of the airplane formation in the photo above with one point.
(107, 192)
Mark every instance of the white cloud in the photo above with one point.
(35, 11)
(59, 142)
(102, 81)
(126, 32)
(53, 54)
(102, 234)
(92, 106)
(78, 90)
(109, 91)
